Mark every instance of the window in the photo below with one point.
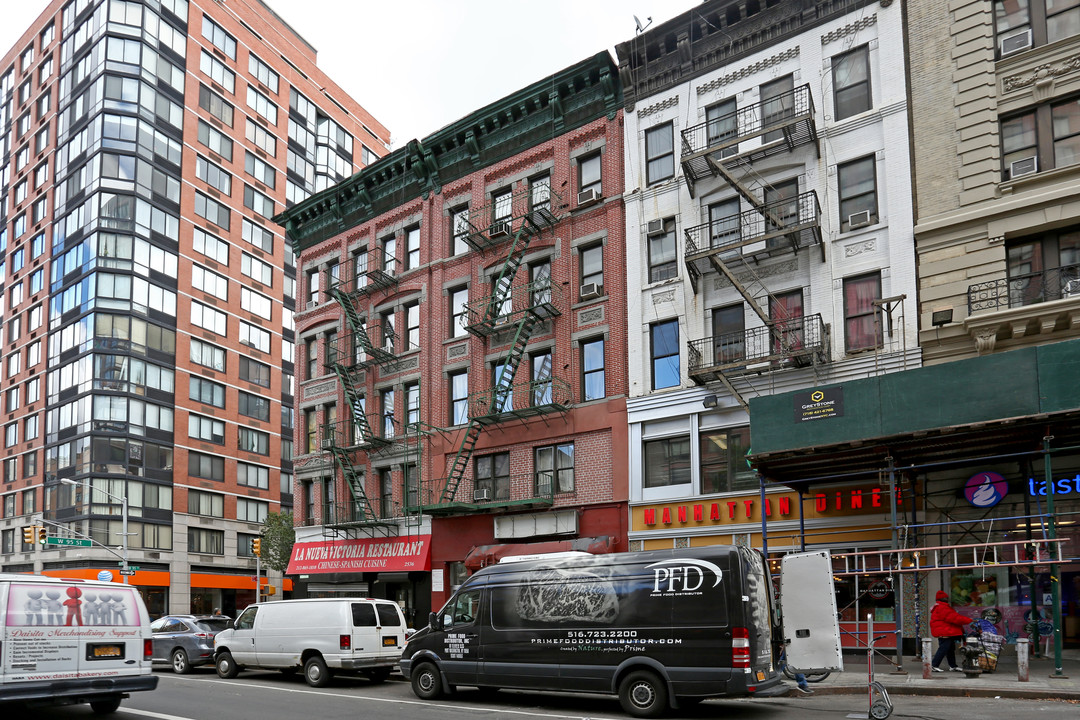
(216, 71)
(861, 332)
(502, 205)
(1021, 24)
(206, 391)
(592, 369)
(459, 224)
(851, 83)
(459, 397)
(777, 105)
(262, 72)
(261, 137)
(209, 467)
(216, 105)
(554, 469)
(386, 493)
(254, 371)
(204, 503)
(255, 200)
(311, 354)
(723, 460)
(664, 343)
(254, 336)
(540, 387)
(492, 477)
(258, 236)
(667, 462)
(663, 254)
(208, 542)
(212, 247)
(216, 34)
(412, 248)
(254, 476)
(262, 105)
(722, 126)
(256, 269)
(412, 326)
(1040, 267)
(589, 170)
(259, 170)
(458, 317)
(728, 334)
(540, 192)
(254, 406)
(256, 303)
(858, 193)
(214, 176)
(253, 441)
(389, 248)
(215, 140)
(207, 355)
(386, 412)
(786, 308)
(212, 211)
(591, 260)
(253, 511)
(208, 318)
(206, 429)
(659, 153)
(1041, 139)
(412, 407)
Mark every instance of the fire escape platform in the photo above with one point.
(796, 342)
(527, 211)
(516, 492)
(525, 400)
(364, 275)
(485, 317)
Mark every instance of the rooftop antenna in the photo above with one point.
(641, 28)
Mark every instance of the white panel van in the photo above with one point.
(322, 636)
(72, 641)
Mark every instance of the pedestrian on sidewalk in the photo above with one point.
(947, 626)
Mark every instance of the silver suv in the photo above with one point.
(186, 641)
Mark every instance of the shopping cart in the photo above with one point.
(981, 648)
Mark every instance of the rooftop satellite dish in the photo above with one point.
(641, 28)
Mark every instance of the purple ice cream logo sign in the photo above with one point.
(985, 489)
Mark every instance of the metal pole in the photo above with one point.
(258, 577)
(898, 591)
(1022, 663)
(124, 500)
(1055, 570)
(764, 534)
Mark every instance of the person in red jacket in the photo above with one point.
(947, 626)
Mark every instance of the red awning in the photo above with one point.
(484, 555)
(367, 555)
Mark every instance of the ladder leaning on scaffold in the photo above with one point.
(1008, 553)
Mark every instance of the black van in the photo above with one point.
(658, 628)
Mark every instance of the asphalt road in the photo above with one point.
(269, 696)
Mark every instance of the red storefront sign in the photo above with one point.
(367, 555)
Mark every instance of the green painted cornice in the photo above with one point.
(557, 104)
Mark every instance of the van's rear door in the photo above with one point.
(759, 614)
(808, 601)
(390, 636)
(110, 619)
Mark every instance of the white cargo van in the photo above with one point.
(72, 641)
(322, 636)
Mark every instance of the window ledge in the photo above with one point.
(1006, 187)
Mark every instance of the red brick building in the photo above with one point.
(461, 347)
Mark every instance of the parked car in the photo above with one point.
(186, 641)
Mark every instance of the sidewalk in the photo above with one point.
(1002, 682)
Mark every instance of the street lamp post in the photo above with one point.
(124, 519)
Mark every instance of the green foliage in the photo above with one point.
(278, 538)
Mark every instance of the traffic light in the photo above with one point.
(28, 534)
(271, 590)
(256, 546)
(42, 534)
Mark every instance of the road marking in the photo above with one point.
(422, 703)
(147, 713)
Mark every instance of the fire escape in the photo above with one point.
(510, 316)
(362, 346)
(776, 224)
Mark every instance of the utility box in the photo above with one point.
(808, 608)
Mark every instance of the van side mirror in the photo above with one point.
(433, 621)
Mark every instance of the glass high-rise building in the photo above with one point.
(146, 298)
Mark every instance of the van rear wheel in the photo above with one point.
(106, 706)
(426, 682)
(643, 694)
(316, 673)
(226, 666)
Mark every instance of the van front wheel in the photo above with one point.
(316, 673)
(426, 682)
(643, 694)
(226, 666)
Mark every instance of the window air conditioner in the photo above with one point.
(1071, 289)
(588, 291)
(655, 227)
(858, 220)
(312, 303)
(481, 495)
(1015, 43)
(499, 228)
(586, 197)
(1026, 166)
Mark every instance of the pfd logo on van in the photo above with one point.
(682, 575)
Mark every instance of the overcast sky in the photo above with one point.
(418, 65)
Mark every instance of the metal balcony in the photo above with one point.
(795, 342)
(783, 123)
(530, 210)
(517, 492)
(364, 274)
(1023, 290)
(366, 431)
(358, 350)
(541, 299)
(782, 226)
(524, 399)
